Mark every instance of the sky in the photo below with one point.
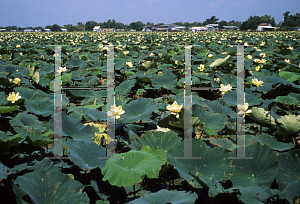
(25, 13)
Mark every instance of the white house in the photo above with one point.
(198, 28)
(28, 30)
(178, 28)
(64, 30)
(230, 27)
(97, 29)
(265, 28)
(47, 30)
(2, 30)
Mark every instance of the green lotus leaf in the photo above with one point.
(286, 100)
(3, 98)
(290, 76)
(227, 79)
(40, 107)
(289, 125)
(213, 162)
(36, 137)
(223, 142)
(259, 171)
(262, 117)
(136, 110)
(3, 171)
(216, 107)
(168, 80)
(7, 142)
(256, 194)
(165, 196)
(252, 99)
(31, 94)
(51, 187)
(291, 192)
(212, 122)
(273, 143)
(158, 140)
(28, 121)
(288, 175)
(125, 87)
(134, 165)
(73, 128)
(85, 154)
(74, 62)
(88, 113)
(7, 109)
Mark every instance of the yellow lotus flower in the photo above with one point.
(174, 109)
(287, 61)
(201, 67)
(257, 68)
(151, 54)
(224, 89)
(17, 46)
(256, 82)
(176, 62)
(243, 109)
(249, 56)
(129, 64)
(118, 111)
(17, 80)
(262, 54)
(13, 97)
(125, 52)
(263, 61)
(62, 69)
(210, 55)
(256, 60)
(262, 43)
(217, 80)
(246, 44)
(219, 42)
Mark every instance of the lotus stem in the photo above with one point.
(134, 190)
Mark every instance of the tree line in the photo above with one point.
(290, 23)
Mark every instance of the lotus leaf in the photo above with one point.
(259, 171)
(165, 196)
(133, 164)
(85, 154)
(51, 187)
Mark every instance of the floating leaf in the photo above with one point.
(134, 165)
(165, 196)
(51, 187)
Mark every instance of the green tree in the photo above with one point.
(138, 26)
(222, 23)
(90, 25)
(55, 28)
(211, 20)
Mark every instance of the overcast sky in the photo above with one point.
(34, 13)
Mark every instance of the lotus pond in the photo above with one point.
(149, 71)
